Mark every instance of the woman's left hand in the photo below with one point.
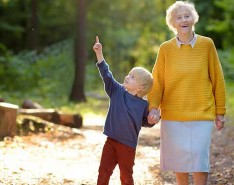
(219, 121)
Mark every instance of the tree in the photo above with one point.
(80, 56)
(33, 26)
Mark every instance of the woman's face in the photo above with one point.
(182, 21)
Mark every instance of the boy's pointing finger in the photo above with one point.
(97, 39)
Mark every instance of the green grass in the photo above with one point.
(230, 103)
(93, 111)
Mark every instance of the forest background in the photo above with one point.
(46, 46)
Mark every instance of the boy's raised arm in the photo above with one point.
(98, 50)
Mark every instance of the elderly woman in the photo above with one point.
(189, 91)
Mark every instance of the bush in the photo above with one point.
(227, 60)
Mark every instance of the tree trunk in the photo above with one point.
(33, 26)
(24, 23)
(8, 113)
(77, 93)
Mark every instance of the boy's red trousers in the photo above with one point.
(116, 153)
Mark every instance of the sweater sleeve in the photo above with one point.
(217, 80)
(110, 84)
(155, 95)
(145, 122)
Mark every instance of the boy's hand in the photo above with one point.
(154, 116)
(97, 47)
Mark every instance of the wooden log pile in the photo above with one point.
(51, 115)
(30, 109)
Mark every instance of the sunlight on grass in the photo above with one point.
(230, 104)
(94, 105)
(93, 111)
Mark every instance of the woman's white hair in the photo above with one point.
(177, 5)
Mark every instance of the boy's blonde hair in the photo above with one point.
(144, 79)
(177, 5)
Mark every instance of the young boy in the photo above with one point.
(127, 113)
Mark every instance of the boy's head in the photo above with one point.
(139, 81)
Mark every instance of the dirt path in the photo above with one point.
(63, 157)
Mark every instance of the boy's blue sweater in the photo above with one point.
(126, 114)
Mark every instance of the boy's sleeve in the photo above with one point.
(145, 122)
(110, 84)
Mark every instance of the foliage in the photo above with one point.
(55, 21)
(227, 61)
(127, 40)
(230, 102)
(216, 21)
(224, 24)
(46, 76)
(130, 31)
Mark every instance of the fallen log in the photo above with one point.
(8, 114)
(27, 124)
(28, 104)
(51, 115)
(71, 120)
(46, 114)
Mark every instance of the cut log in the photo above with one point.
(35, 124)
(51, 115)
(46, 114)
(71, 120)
(8, 113)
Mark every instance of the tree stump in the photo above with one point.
(8, 114)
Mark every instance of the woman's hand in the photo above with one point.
(154, 116)
(219, 121)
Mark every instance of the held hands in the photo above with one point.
(97, 47)
(219, 121)
(154, 116)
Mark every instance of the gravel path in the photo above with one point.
(66, 157)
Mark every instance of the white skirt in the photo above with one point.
(185, 146)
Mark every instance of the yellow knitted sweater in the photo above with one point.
(188, 82)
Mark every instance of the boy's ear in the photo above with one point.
(139, 88)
